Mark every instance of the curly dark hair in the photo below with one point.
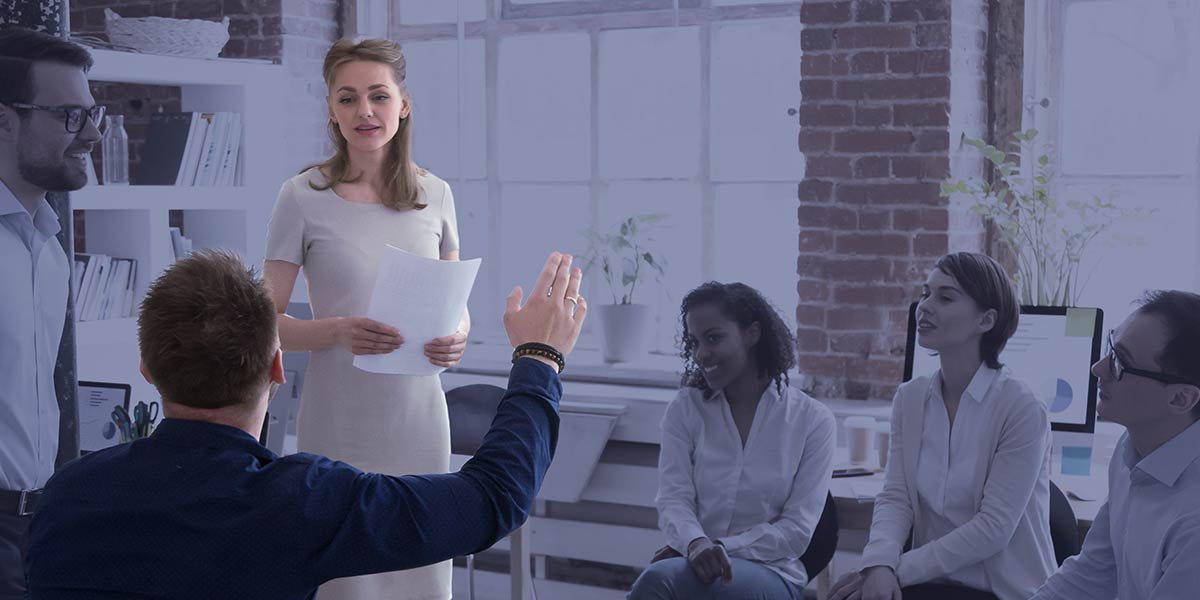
(775, 352)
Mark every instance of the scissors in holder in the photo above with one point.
(120, 417)
(143, 416)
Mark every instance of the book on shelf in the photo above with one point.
(191, 149)
(187, 171)
(228, 170)
(166, 142)
(99, 267)
(181, 245)
(105, 288)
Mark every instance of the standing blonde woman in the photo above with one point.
(334, 219)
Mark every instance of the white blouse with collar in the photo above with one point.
(761, 502)
(976, 499)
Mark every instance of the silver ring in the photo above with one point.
(574, 299)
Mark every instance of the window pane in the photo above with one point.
(677, 240)
(1163, 252)
(433, 82)
(1130, 72)
(422, 12)
(536, 220)
(544, 107)
(649, 103)
(755, 80)
(474, 234)
(755, 241)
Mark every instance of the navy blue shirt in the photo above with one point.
(200, 510)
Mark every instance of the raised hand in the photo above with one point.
(554, 313)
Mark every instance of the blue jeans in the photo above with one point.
(673, 579)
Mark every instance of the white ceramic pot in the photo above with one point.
(626, 331)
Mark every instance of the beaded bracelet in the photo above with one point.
(542, 350)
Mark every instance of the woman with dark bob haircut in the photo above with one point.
(745, 461)
(968, 469)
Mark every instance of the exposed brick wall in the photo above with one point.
(875, 119)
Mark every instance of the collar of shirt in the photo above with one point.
(770, 394)
(43, 218)
(981, 382)
(1168, 461)
(202, 434)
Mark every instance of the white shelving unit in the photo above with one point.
(132, 221)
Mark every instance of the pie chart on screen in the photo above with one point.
(1057, 394)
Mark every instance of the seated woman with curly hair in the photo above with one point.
(745, 461)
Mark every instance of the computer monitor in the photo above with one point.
(1052, 350)
(96, 400)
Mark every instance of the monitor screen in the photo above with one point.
(97, 430)
(1052, 350)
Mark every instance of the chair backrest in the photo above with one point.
(472, 408)
(824, 541)
(1064, 529)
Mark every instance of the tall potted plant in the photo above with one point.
(624, 260)
(1048, 237)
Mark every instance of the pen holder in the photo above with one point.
(137, 426)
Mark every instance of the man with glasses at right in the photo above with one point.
(48, 126)
(1145, 541)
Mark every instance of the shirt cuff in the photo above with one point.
(687, 532)
(879, 557)
(734, 542)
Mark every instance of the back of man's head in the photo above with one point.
(20, 48)
(207, 333)
(1180, 313)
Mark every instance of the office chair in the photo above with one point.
(824, 541)
(1064, 528)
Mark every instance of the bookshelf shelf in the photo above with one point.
(109, 331)
(129, 67)
(151, 197)
(134, 221)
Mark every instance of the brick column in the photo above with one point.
(875, 118)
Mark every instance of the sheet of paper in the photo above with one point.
(422, 297)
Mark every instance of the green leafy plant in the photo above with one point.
(1049, 237)
(623, 256)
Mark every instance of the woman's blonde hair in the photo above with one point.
(400, 187)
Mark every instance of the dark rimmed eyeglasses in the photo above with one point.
(1119, 369)
(74, 118)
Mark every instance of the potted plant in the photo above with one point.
(1048, 237)
(624, 260)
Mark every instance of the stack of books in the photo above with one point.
(191, 149)
(103, 287)
(181, 245)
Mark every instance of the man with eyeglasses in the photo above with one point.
(1145, 541)
(47, 128)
